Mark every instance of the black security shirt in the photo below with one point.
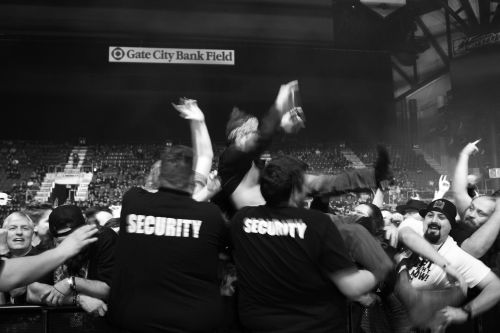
(166, 264)
(283, 256)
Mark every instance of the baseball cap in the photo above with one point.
(63, 217)
(443, 206)
(412, 204)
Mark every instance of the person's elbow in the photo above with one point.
(405, 235)
(493, 287)
(354, 284)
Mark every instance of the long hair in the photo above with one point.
(236, 120)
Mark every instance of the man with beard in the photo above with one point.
(479, 228)
(424, 274)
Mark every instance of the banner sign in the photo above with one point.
(171, 56)
(494, 172)
(462, 45)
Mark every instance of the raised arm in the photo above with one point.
(484, 237)
(202, 145)
(281, 114)
(459, 185)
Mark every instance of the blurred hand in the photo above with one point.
(213, 183)
(77, 240)
(189, 109)
(391, 234)
(416, 197)
(453, 315)
(293, 121)
(282, 102)
(93, 305)
(444, 184)
(470, 148)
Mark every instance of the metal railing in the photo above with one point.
(44, 319)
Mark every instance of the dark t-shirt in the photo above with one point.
(102, 257)
(283, 256)
(166, 264)
(364, 249)
(99, 256)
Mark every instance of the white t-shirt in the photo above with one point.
(426, 275)
(415, 224)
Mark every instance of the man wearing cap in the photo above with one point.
(84, 280)
(424, 274)
(410, 234)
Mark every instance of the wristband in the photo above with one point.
(71, 282)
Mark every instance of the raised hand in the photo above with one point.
(77, 240)
(284, 100)
(293, 121)
(213, 183)
(471, 148)
(189, 109)
(444, 184)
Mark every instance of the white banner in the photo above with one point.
(171, 56)
(494, 172)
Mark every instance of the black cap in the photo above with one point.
(66, 216)
(412, 204)
(443, 206)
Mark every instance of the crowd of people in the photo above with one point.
(261, 245)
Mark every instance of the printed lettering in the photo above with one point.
(140, 224)
(149, 225)
(131, 223)
(291, 228)
(163, 226)
(196, 228)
